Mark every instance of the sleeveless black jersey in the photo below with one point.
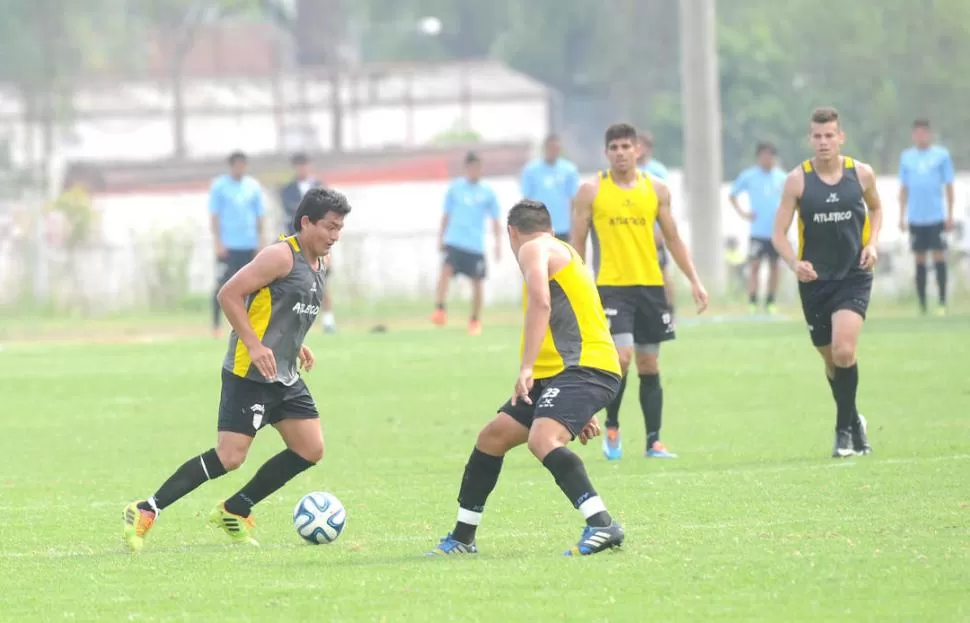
(281, 313)
(833, 223)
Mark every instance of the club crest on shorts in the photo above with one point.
(258, 412)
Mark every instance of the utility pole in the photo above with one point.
(703, 169)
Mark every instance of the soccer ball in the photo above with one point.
(319, 517)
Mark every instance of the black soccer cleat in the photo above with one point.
(860, 436)
(596, 539)
(843, 444)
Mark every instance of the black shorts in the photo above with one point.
(821, 299)
(246, 406)
(465, 262)
(235, 260)
(642, 311)
(761, 248)
(662, 256)
(572, 398)
(923, 238)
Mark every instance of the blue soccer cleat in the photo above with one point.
(612, 445)
(449, 546)
(659, 451)
(596, 539)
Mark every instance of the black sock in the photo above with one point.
(845, 384)
(272, 475)
(613, 409)
(570, 474)
(753, 298)
(440, 306)
(941, 280)
(474, 318)
(921, 285)
(186, 479)
(481, 474)
(770, 299)
(652, 404)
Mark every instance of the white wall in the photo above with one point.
(389, 242)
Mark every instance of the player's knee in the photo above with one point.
(231, 457)
(648, 360)
(496, 439)
(843, 354)
(545, 436)
(312, 451)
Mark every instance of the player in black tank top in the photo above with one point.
(839, 214)
(271, 303)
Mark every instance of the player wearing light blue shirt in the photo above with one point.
(762, 183)
(468, 204)
(236, 217)
(925, 171)
(553, 180)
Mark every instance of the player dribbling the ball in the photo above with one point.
(271, 303)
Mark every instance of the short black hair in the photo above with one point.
(825, 114)
(921, 123)
(237, 156)
(471, 157)
(299, 158)
(530, 217)
(619, 131)
(765, 146)
(317, 202)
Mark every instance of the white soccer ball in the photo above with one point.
(319, 517)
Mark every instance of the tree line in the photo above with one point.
(882, 63)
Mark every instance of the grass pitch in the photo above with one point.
(753, 522)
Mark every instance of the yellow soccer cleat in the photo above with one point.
(137, 524)
(239, 529)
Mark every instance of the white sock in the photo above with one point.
(469, 517)
(328, 319)
(592, 506)
(151, 502)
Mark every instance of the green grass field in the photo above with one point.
(753, 522)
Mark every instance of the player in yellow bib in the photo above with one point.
(569, 371)
(619, 208)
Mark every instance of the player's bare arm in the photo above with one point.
(790, 194)
(534, 262)
(583, 215)
(870, 192)
(675, 244)
(903, 200)
(307, 360)
(216, 236)
(950, 201)
(270, 264)
(748, 216)
(442, 230)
